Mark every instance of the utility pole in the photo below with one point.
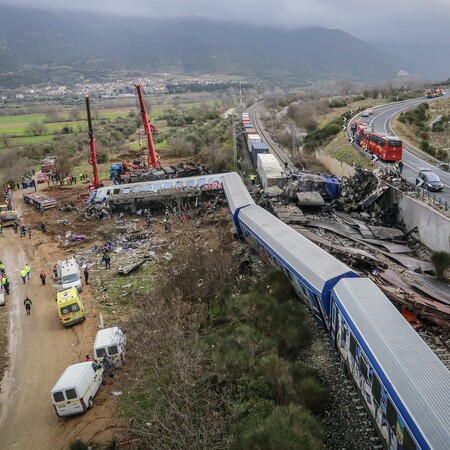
(234, 145)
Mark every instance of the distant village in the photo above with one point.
(156, 83)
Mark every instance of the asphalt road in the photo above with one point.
(381, 120)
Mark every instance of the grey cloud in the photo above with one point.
(402, 20)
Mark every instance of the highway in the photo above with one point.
(381, 121)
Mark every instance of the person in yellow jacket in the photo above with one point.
(2, 268)
(23, 274)
(28, 270)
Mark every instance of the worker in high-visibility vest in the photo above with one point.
(23, 274)
(253, 178)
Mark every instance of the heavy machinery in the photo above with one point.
(152, 160)
(93, 159)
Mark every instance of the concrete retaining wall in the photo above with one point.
(434, 227)
(335, 167)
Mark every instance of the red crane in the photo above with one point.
(152, 160)
(93, 159)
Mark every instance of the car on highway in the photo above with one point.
(42, 178)
(430, 181)
(365, 113)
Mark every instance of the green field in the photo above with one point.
(16, 126)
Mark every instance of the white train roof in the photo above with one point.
(412, 370)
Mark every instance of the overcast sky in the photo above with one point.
(407, 20)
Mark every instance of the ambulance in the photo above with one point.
(70, 307)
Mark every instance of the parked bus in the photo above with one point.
(387, 148)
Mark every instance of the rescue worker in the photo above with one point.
(87, 358)
(43, 227)
(253, 179)
(27, 302)
(6, 286)
(107, 260)
(23, 274)
(43, 277)
(28, 270)
(2, 268)
(86, 274)
(400, 166)
(15, 227)
(1, 230)
(29, 232)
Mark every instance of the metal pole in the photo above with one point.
(234, 145)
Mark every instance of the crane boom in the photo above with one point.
(152, 160)
(93, 159)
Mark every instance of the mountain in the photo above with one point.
(61, 47)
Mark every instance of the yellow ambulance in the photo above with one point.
(70, 306)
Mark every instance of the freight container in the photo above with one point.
(248, 125)
(270, 171)
(250, 130)
(250, 138)
(256, 148)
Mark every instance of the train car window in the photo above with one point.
(343, 336)
(136, 189)
(353, 345)
(363, 366)
(408, 442)
(391, 414)
(116, 191)
(288, 274)
(376, 389)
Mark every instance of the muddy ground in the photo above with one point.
(40, 348)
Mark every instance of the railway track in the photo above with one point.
(254, 112)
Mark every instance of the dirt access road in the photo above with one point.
(40, 348)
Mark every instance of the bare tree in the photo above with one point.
(36, 129)
(75, 114)
(345, 86)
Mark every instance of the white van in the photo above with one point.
(75, 390)
(69, 275)
(110, 342)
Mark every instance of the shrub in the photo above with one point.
(102, 157)
(338, 104)
(286, 427)
(424, 145)
(441, 262)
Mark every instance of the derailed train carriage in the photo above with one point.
(404, 385)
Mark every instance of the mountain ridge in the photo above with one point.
(41, 43)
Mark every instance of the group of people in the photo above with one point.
(23, 229)
(25, 273)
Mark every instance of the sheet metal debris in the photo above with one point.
(386, 233)
(389, 246)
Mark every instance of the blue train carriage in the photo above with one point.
(405, 386)
(312, 271)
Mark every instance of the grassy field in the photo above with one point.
(15, 127)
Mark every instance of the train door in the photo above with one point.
(333, 325)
